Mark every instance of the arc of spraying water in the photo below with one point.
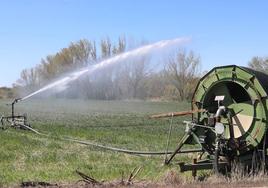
(138, 51)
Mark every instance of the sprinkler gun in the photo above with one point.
(13, 108)
(17, 121)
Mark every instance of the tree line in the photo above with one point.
(259, 64)
(133, 79)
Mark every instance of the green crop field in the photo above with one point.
(25, 156)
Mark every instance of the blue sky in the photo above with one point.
(222, 32)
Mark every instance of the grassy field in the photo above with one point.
(25, 156)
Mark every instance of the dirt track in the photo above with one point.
(256, 184)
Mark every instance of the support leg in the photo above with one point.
(181, 143)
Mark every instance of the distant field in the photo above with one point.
(25, 156)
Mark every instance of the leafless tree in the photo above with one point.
(134, 75)
(259, 64)
(183, 70)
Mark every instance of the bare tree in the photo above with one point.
(106, 47)
(134, 74)
(259, 64)
(120, 47)
(29, 80)
(183, 70)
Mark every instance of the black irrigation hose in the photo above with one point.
(120, 126)
(131, 152)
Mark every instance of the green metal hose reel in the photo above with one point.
(231, 119)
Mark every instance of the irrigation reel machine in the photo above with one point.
(229, 122)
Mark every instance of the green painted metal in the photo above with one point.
(245, 97)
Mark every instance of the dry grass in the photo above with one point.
(172, 179)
